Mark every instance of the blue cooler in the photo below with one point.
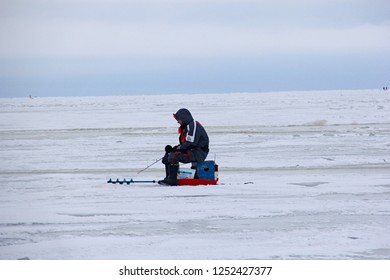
(206, 170)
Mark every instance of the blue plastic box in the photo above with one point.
(206, 170)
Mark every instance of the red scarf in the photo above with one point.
(183, 134)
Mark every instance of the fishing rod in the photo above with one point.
(142, 170)
(168, 149)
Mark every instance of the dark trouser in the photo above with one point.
(176, 156)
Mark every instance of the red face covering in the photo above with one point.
(182, 134)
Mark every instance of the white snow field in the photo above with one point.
(303, 175)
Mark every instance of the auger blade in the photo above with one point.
(128, 182)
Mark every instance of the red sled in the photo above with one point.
(195, 182)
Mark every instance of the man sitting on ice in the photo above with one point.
(193, 147)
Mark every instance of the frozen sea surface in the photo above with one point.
(303, 175)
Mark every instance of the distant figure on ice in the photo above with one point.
(193, 147)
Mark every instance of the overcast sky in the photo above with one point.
(111, 47)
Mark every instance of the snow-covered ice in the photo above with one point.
(303, 175)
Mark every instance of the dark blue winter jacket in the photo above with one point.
(196, 138)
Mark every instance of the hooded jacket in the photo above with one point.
(193, 135)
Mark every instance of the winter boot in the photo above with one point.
(172, 179)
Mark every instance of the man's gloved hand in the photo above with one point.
(168, 149)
